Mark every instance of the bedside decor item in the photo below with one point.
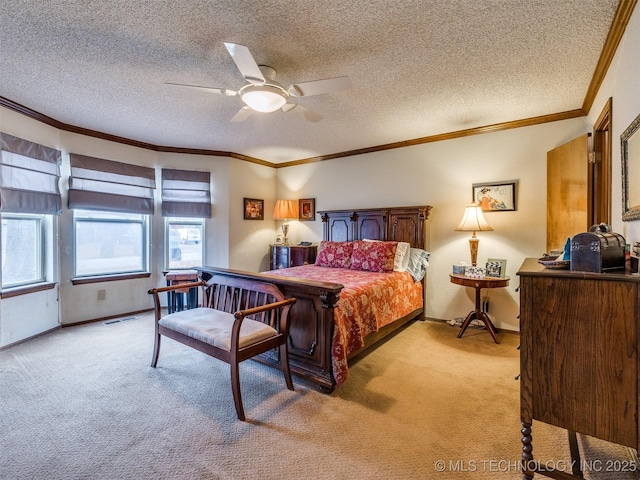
(459, 269)
(473, 221)
(285, 210)
(253, 209)
(475, 272)
(307, 209)
(496, 196)
(496, 267)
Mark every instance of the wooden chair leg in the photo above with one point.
(156, 351)
(235, 388)
(284, 360)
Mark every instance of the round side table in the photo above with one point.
(478, 314)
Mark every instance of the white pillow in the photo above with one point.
(401, 260)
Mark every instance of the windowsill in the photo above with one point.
(109, 278)
(24, 290)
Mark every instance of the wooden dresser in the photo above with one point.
(579, 354)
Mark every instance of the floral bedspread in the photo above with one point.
(367, 302)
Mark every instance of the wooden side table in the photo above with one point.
(175, 299)
(478, 314)
(285, 256)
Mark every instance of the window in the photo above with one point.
(109, 243)
(23, 249)
(112, 202)
(186, 203)
(185, 240)
(29, 202)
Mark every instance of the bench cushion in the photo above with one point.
(214, 327)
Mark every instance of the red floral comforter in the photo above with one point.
(367, 302)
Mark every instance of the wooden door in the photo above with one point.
(567, 171)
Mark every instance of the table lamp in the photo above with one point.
(285, 210)
(473, 221)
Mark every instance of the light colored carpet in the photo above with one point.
(83, 403)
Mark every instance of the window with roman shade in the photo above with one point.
(98, 184)
(29, 175)
(186, 193)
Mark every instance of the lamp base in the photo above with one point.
(473, 245)
(285, 232)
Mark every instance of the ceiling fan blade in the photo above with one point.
(245, 62)
(316, 87)
(223, 91)
(303, 112)
(244, 113)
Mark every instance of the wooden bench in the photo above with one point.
(238, 319)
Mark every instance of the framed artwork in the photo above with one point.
(496, 267)
(307, 209)
(496, 196)
(253, 209)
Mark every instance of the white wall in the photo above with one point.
(622, 84)
(249, 240)
(441, 174)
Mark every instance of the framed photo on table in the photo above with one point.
(496, 196)
(307, 209)
(496, 267)
(253, 209)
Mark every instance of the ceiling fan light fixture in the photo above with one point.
(264, 98)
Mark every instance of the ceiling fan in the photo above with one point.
(264, 94)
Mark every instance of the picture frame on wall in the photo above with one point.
(496, 267)
(307, 209)
(253, 209)
(495, 196)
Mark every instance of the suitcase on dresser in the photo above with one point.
(597, 251)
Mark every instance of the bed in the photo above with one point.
(318, 350)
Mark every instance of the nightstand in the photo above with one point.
(284, 256)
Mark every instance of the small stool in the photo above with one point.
(176, 299)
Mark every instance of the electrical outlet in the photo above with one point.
(102, 294)
(485, 306)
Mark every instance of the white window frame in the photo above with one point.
(98, 216)
(184, 222)
(44, 249)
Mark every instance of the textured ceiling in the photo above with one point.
(418, 68)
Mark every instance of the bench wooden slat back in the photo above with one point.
(231, 294)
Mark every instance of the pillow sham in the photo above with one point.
(334, 254)
(401, 259)
(418, 263)
(373, 256)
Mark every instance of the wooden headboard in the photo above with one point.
(401, 224)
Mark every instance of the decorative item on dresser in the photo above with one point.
(312, 319)
(285, 256)
(578, 357)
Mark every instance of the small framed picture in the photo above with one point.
(496, 196)
(253, 209)
(496, 267)
(307, 209)
(279, 240)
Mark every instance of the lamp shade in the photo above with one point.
(285, 209)
(473, 220)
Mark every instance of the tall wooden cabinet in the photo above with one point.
(579, 354)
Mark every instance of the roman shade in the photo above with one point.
(29, 175)
(98, 184)
(186, 193)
